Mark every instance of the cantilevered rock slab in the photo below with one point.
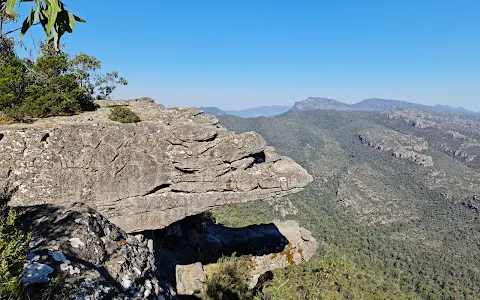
(175, 163)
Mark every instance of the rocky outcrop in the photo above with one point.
(365, 192)
(416, 118)
(175, 163)
(296, 245)
(400, 145)
(456, 135)
(95, 258)
(301, 248)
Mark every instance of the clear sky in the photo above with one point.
(239, 54)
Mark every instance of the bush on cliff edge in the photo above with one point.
(54, 84)
(123, 114)
(230, 280)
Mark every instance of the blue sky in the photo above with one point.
(239, 54)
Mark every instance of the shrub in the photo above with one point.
(7, 51)
(4, 118)
(230, 280)
(52, 85)
(12, 83)
(40, 89)
(13, 249)
(123, 114)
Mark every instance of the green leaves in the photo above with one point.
(29, 21)
(13, 249)
(52, 11)
(11, 6)
(53, 16)
(71, 20)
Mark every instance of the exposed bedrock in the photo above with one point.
(187, 251)
(95, 258)
(143, 176)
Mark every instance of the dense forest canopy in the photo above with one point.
(397, 229)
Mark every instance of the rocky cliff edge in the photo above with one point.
(175, 163)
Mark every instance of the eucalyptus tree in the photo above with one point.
(52, 15)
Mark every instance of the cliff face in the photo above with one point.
(175, 163)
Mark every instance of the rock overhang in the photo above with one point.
(175, 163)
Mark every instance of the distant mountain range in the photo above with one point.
(376, 104)
(214, 111)
(265, 111)
(373, 104)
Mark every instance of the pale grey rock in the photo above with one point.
(34, 273)
(243, 163)
(140, 237)
(177, 162)
(270, 154)
(77, 243)
(400, 145)
(108, 257)
(90, 290)
(298, 246)
(301, 247)
(190, 279)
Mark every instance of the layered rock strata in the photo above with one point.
(144, 176)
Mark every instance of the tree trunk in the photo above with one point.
(1, 23)
(2, 10)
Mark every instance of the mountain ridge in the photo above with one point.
(370, 104)
(376, 104)
(260, 111)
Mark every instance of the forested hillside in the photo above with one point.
(395, 206)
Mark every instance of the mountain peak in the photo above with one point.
(320, 103)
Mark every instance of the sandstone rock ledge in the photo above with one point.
(175, 163)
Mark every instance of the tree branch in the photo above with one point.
(15, 30)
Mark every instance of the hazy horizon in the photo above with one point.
(292, 104)
(241, 54)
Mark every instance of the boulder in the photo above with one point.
(301, 248)
(190, 279)
(89, 252)
(177, 162)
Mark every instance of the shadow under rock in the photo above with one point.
(199, 239)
